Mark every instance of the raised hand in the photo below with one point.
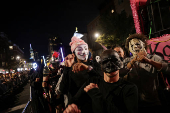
(79, 67)
(72, 109)
(69, 60)
(142, 53)
(141, 57)
(90, 86)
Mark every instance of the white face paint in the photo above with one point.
(82, 52)
(98, 59)
(135, 46)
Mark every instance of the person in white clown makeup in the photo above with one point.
(142, 69)
(82, 52)
(71, 81)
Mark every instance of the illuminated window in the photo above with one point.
(12, 57)
(112, 11)
(10, 47)
(3, 63)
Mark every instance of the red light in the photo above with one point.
(3, 70)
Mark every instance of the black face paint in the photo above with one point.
(111, 62)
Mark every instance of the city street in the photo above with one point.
(85, 56)
(18, 100)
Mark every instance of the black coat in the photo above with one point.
(71, 82)
(118, 97)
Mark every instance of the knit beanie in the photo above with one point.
(75, 41)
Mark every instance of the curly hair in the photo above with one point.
(142, 37)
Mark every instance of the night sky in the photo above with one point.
(30, 22)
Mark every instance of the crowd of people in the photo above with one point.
(113, 83)
(10, 81)
(10, 84)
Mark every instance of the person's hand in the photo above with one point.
(142, 57)
(45, 95)
(142, 52)
(79, 67)
(72, 109)
(90, 86)
(69, 60)
(37, 79)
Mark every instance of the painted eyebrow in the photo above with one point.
(79, 47)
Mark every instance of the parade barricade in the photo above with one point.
(35, 104)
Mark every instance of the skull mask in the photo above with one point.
(135, 46)
(98, 59)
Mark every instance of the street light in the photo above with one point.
(96, 35)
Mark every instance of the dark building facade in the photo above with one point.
(11, 55)
(92, 28)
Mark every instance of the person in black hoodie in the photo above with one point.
(70, 82)
(108, 94)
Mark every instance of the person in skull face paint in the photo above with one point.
(142, 69)
(107, 94)
(71, 82)
(98, 59)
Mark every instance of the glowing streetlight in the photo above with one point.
(96, 35)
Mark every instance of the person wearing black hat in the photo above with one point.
(108, 94)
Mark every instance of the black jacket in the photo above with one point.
(118, 97)
(71, 82)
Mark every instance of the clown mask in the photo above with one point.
(82, 52)
(135, 46)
